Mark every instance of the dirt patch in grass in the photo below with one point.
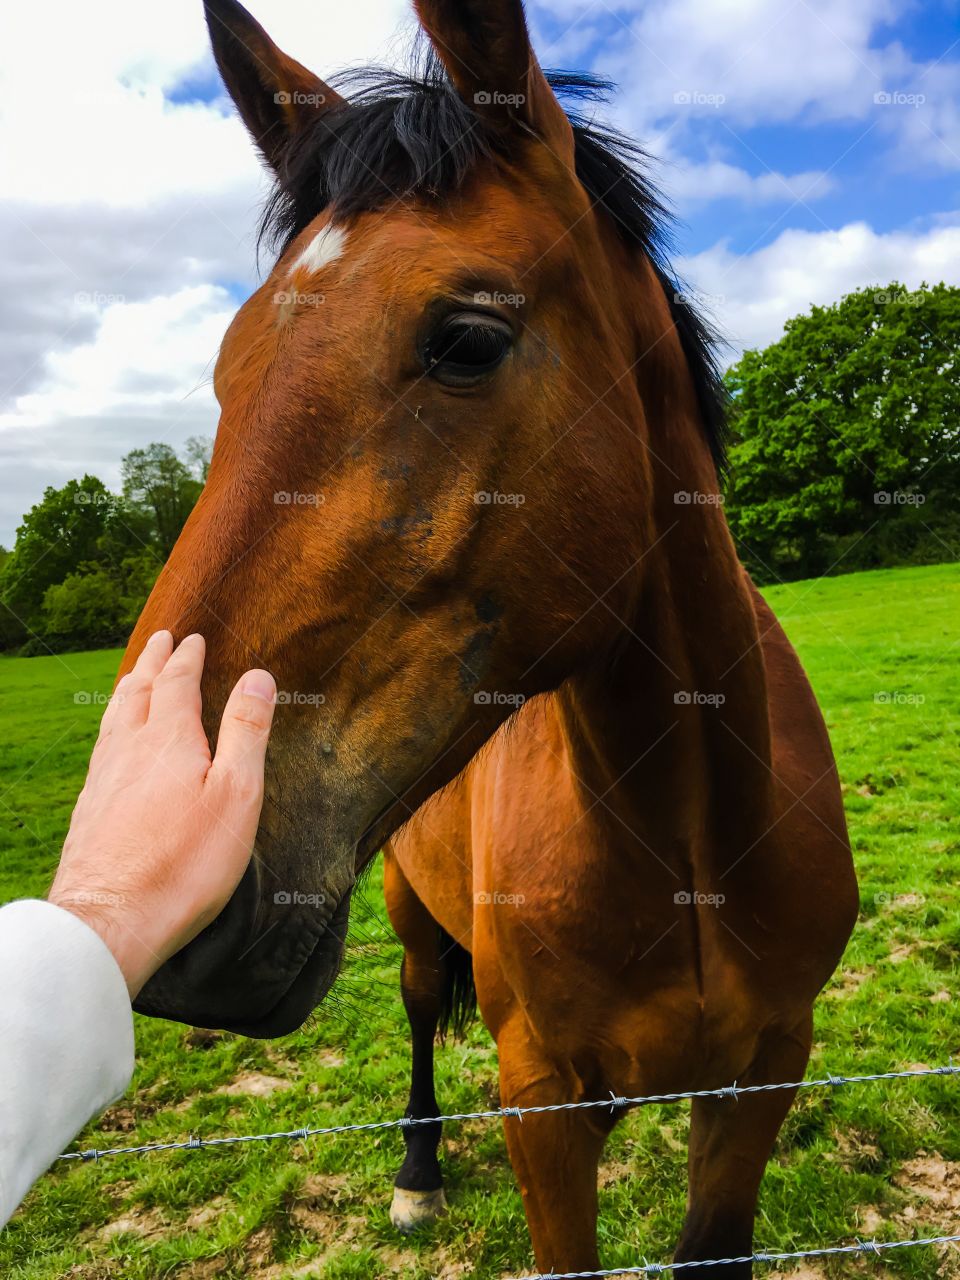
(903, 952)
(856, 1150)
(258, 1249)
(446, 1267)
(934, 1181)
(203, 1269)
(848, 982)
(145, 1223)
(614, 1171)
(253, 1084)
(933, 1187)
(125, 1118)
(323, 1188)
(206, 1214)
(92, 1271)
(314, 1210)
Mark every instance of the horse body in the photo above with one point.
(644, 915)
(648, 862)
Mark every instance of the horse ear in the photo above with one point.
(275, 95)
(485, 47)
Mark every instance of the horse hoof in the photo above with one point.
(413, 1209)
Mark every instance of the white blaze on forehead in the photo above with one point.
(325, 247)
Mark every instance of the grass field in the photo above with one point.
(883, 650)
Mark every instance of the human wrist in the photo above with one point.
(108, 915)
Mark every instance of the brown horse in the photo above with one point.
(464, 492)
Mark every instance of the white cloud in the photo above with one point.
(143, 375)
(768, 60)
(147, 206)
(752, 295)
(688, 184)
(143, 355)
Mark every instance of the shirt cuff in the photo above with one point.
(66, 1038)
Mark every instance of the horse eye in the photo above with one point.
(465, 348)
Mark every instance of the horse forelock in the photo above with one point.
(413, 138)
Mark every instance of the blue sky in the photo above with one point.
(809, 147)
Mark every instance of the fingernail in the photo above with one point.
(259, 684)
(158, 636)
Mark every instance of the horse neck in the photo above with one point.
(649, 761)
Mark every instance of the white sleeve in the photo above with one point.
(66, 1038)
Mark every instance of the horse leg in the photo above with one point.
(418, 1197)
(555, 1157)
(731, 1141)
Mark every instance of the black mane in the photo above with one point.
(405, 136)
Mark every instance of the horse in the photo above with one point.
(465, 503)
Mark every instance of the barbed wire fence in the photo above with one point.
(612, 1103)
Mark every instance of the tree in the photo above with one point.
(845, 436)
(158, 483)
(198, 451)
(97, 605)
(59, 533)
(85, 559)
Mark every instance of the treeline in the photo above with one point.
(846, 437)
(85, 558)
(845, 454)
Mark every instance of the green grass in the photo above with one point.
(868, 1160)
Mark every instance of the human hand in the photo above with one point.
(161, 835)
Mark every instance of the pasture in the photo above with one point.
(883, 1160)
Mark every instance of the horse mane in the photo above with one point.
(405, 136)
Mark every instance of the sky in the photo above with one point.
(808, 147)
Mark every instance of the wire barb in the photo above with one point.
(611, 1103)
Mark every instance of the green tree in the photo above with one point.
(198, 451)
(99, 604)
(85, 608)
(62, 531)
(845, 436)
(158, 484)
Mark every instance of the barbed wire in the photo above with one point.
(661, 1268)
(612, 1103)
